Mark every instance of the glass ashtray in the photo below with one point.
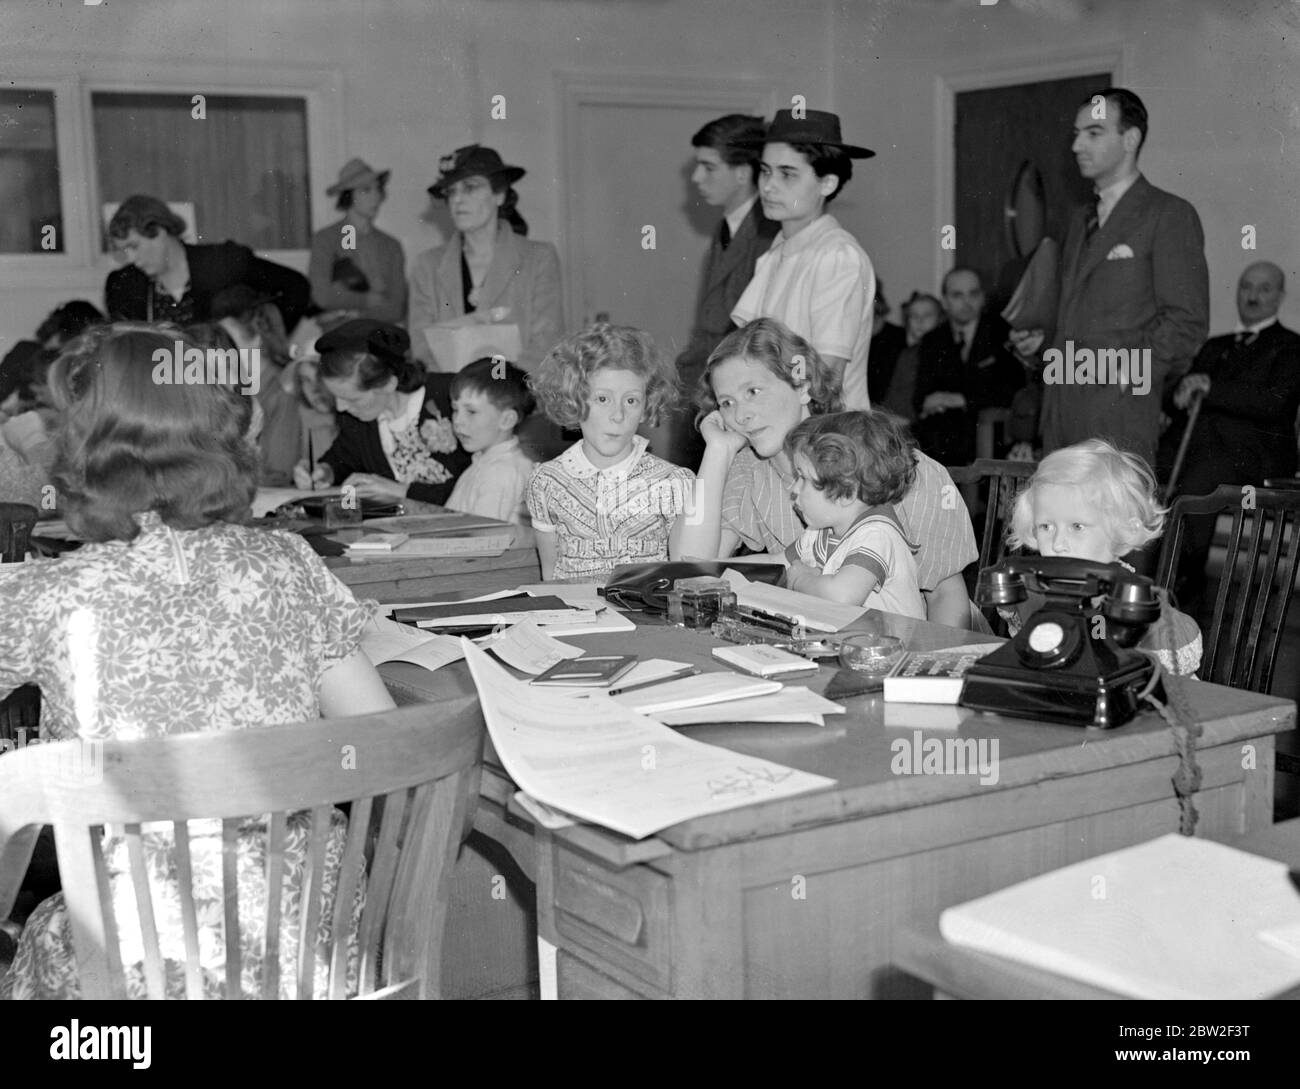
(874, 655)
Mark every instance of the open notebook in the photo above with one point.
(1174, 918)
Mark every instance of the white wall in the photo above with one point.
(418, 78)
(1220, 79)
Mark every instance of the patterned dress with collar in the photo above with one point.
(605, 517)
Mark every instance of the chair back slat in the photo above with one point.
(277, 831)
(153, 966)
(1239, 584)
(189, 916)
(313, 892)
(379, 889)
(350, 873)
(230, 906)
(420, 764)
(1281, 586)
(1257, 582)
(1253, 621)
(1005, 481)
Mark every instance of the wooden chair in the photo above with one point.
(21, 709)
(1005, 481)
(1255, 587)
(413, 770)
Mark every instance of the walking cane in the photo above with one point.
(1193, 411)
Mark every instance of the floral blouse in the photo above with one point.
(220, 628)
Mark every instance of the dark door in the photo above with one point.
(997, 130)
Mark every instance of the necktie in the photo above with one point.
(962, 344)
(726, 234)
(1245, 339)
(1094, 216)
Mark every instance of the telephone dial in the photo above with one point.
(1072, 661)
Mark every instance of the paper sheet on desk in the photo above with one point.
(388, 641)
(813, 612)
(614, 767)
(529, 649)
(789, 705)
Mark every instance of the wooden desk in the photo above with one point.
(432, 577)
(802, 898)
(956, 972)
(391, 581)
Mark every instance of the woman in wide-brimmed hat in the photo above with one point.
(815, 279)
(354, 265)
(487, 268)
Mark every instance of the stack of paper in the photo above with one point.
(601, 762)
(487, 544)
(792, 704)
(1174, 918)
(811, 612)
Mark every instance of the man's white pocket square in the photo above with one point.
(1118, 253)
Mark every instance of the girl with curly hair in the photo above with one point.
(606, 500)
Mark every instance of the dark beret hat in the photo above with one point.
(366, 335)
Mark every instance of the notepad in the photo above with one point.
(763, 660)
(1174, 918)
(703, 688)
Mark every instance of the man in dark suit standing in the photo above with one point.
(1246, 430)
(726, 173)
(963, 367)
(1133, 279)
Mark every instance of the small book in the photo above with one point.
(933, 676)
(378, 542)
(763, 660)
(593, 671)
(703, 688)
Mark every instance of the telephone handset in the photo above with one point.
(1072, 661)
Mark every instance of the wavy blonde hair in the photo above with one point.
(1119, 484)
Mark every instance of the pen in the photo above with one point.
(689, 671)
(311, 460)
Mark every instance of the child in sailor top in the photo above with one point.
(605, 501)
(850, 469)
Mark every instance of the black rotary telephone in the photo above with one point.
(1071, 662)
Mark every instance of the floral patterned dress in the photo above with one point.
(220, 628)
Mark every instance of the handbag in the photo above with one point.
(643, 587)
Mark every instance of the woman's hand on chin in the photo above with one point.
(369, 486)
(716, 433)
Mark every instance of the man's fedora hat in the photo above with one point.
(466, 162)
(356, 173)
(815, 127)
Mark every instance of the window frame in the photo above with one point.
(320, 87)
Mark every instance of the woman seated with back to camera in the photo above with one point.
(174, 618)
(395, 436)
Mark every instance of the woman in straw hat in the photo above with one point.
(354, 265)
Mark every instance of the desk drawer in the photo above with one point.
(625, 916)
(576, 979)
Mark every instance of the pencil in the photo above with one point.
(688, 672)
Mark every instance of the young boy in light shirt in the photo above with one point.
(490, 398)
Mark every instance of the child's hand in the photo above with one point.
(715, 433)
(797, 572)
